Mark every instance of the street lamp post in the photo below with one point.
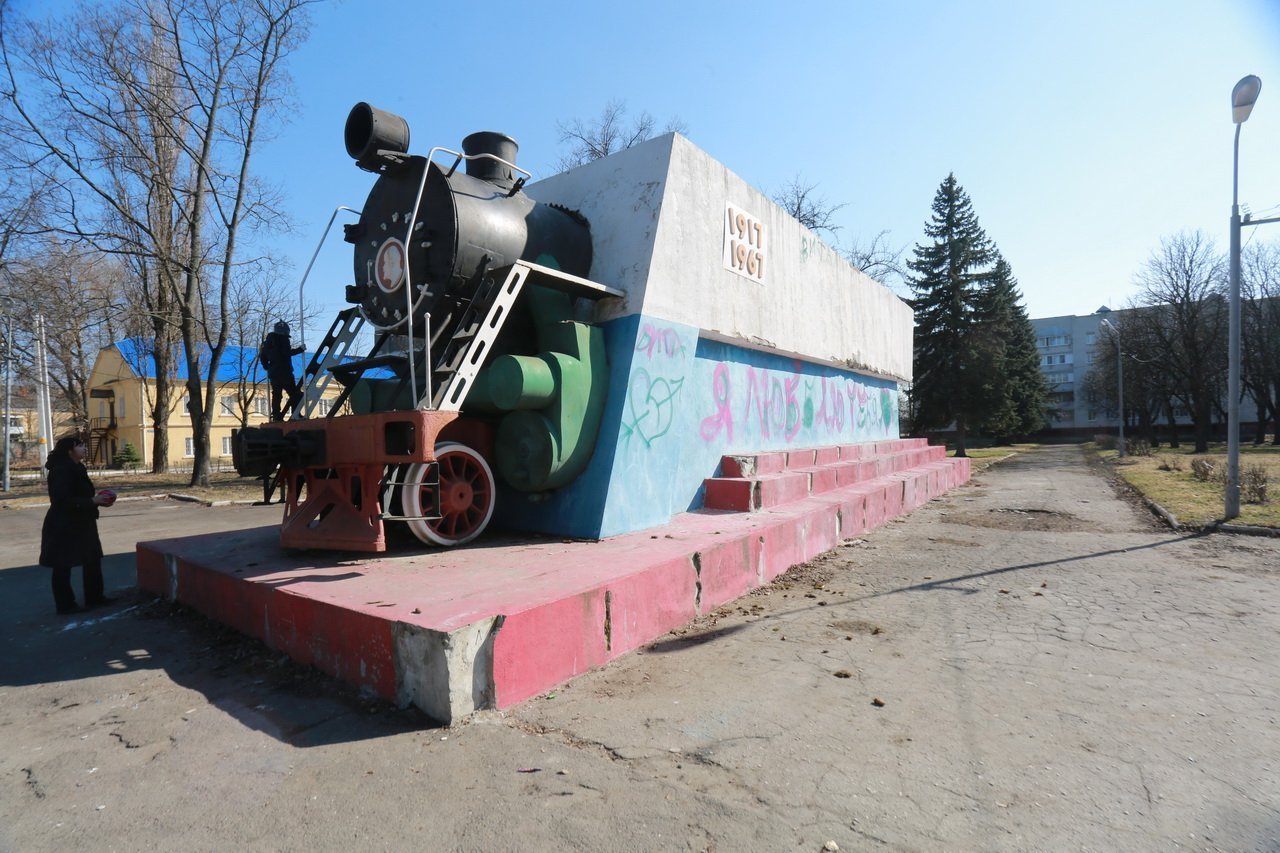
(1115, 333)
(6, 356)
(1243, 97)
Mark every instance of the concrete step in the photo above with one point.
(752, 482)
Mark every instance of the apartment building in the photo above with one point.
(1068, 347)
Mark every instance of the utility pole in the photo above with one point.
(42, 393)
(8, 388)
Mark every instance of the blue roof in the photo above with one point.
(237, 363)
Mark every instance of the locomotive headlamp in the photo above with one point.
(370, 130)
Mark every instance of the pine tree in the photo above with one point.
(951, 383)
(1016, 391)
(127, 457)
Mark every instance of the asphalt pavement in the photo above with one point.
(1029, 663)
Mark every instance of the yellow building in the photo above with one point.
(122, 394)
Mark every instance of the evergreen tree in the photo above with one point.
(1017, 394)
(952, 384)
(127, 457)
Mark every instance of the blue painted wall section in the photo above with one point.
(678, 403)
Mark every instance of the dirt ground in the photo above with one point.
(1029, 663)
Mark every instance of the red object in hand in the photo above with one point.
(108, 496)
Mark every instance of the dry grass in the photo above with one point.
(223, 486)
(1190, 500)
(982, 457)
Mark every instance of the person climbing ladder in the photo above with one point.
(277, 357)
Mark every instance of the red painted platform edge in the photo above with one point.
(652, 601)
(352, 646)
(539, 647)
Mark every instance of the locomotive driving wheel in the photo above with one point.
(466, 489)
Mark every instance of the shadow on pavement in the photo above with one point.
(681, 643)
(257, 686)
(945, 583)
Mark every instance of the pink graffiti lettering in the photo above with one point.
(794, 420)
(830, 413)
(664, 341)
(775, 406)
(723, 417)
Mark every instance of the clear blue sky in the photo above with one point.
(1082, 131)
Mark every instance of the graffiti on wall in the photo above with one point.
(655, 383)
(776, 405)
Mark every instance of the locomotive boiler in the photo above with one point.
(478, 378)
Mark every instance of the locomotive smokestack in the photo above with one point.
(499, 145)
(370, 130)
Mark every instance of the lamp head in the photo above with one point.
(1243, 97)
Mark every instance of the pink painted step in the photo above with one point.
(758, 481)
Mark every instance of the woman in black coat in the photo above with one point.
(70, 534)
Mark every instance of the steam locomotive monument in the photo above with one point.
(573, 356)
(643, 360)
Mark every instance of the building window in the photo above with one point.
(1093, 414)
(323, 405)
(189, 446)
(120, 407)
(1062, 358)
(261, 405)
(1056, 341)
(226, 445)
(1091, 338)
(228, 406)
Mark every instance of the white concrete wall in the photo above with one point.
(658, 221)
(621, 196)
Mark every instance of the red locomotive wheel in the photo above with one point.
(467, 495)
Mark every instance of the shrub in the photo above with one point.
(1170, 463)
(1253, 484)
(127, 457)
(1203, 470)
(1138, 447)
(1106, 442)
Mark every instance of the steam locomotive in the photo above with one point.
(478, 377)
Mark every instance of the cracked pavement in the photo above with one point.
(1027, 663)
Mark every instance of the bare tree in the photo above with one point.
(147, 113)
(879, 260)
(802, 201)
(1185, 318)
(1260, 320)
(236, 79)
(1145, 385)
(875, 257)
(100, 115)
(611, 131)
(75, 292)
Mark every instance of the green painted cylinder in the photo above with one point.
(527, 451)
(521, 382)
(378, 395)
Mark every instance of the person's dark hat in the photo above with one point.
(281, 327)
